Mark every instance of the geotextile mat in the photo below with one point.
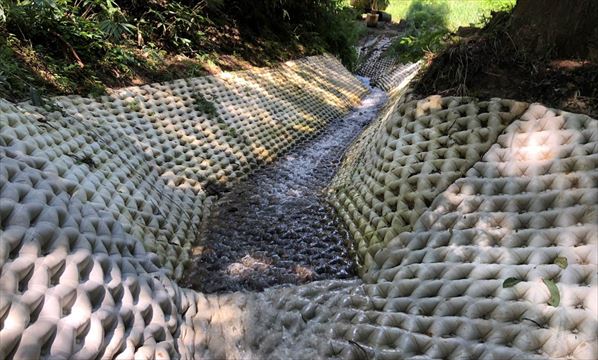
(383, 69)
(102, 199)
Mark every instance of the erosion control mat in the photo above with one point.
(383, 69)
(475, 225)
(417, 151)
(102, 199)
(501, 264)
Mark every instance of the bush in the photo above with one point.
(341, 35)
(175, 26)
(426, 29)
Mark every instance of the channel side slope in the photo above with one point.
(502, 264)
(412, 154)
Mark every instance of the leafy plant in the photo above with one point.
(115, 27)
(179, 26)
(14, 78)
(461, 13)
(2, 14)
(204, 105)
(76, 46)
(321, 25)
(4, 84)
(341, 35)
(121, 59)
(134, 106)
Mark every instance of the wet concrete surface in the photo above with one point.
(277, 227)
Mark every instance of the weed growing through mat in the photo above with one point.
(205, 106)
(134, 106)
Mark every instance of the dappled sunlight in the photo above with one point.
(264, 115)
(260, 152)
(299, 210)
(537, 146)
(138, 169)
(413, 154)
(304, 128)
(245, 88)
(485, 259)
(189, 150)
(280, 208)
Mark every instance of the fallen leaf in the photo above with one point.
(510, 282)
(562, 262)
(555, 296)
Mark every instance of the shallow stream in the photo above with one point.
(276, 227)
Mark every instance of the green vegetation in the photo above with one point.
(510, 282)
(65, 46)
(204, 105)
(562, 262)
(232, 132)
(555, 296)
(429, 23)
(134, 106)
(426, 29)
(458, 12)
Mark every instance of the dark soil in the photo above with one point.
(277, 227)
(487, 64)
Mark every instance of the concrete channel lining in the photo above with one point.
(83, 274)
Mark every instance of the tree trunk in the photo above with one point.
(561, 28)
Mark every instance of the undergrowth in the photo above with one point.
(430, 24)
(458, 12)
(426, 29)
(204, 105)
(84, 46)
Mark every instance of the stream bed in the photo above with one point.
(277, 227)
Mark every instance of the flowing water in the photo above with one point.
(277, 227)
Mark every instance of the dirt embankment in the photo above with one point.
(488, 63)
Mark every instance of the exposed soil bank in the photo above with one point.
(277, 227)
(487, 63)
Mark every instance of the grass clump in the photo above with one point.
(232, 132)
(134, 105)
(205, 106)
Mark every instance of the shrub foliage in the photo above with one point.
(80, 45)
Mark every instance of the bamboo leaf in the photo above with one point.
(510, 282)
(555, 296)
